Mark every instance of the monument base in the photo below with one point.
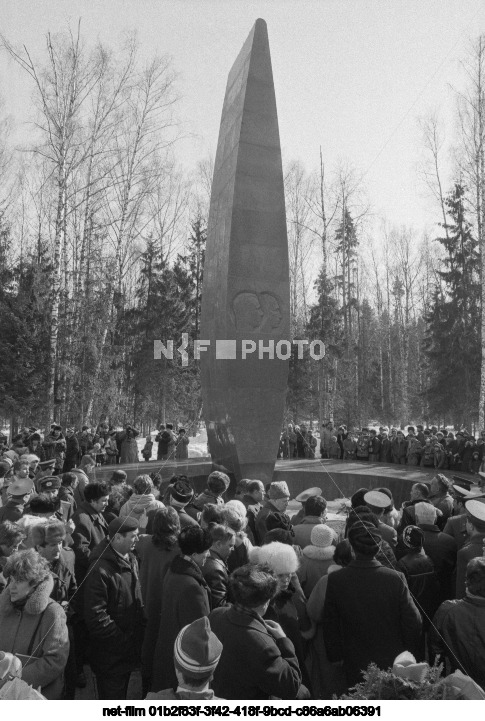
(337, 479)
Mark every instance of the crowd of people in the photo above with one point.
(231, 599)
(89, 447)
(413, 446)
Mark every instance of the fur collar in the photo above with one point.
(36, 604)
(316, 553)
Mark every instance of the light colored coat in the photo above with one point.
(38, 635)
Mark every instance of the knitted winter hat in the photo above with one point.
(278, 489)
(197, 649)
(364, 538)
(321, 535)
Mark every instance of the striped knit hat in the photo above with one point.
(197, 649)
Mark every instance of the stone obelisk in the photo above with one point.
(245, 297)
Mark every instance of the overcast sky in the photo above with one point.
(350, 75)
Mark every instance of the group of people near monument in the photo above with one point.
(231, 599)
(413, 446)
(88, 448)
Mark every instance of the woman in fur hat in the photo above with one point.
(286, 608)
(32, 625)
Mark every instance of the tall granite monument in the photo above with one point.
(245, 298)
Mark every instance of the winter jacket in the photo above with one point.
(350, 449)
(427, 457)
(154, 564)
(441, 548)
(253, 664)
(443, 503)
(458, 632)
(72, 453)
(314, 563)
(360, 598)
(362, 452)
(374, 446)
(266, 509)
(456, 528)
(90, 529)
(413, 453)
(38, 635)
(62, 570)
(207, 497)
(185, 598)
(66, 494)
(165, 441)
(472, 549)
(129, 449)
(385, 454)
(217, 577)
(423, 583)
(182, 448)
(398, 450)
(303, 530)
(113, 611)
(138, 506)
(49, 445)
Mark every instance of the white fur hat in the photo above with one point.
(238, 506)
(279, 556)
(321, 535)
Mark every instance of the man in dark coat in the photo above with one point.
(277, 502)
(72, 450)
(258, 661)
(114, 611)
(50, 441)
(458, 630)
(215, 568)
(440, 547)
(185, 598)
(475, 511)
(369, 615)
(90, 527)
(253, 501)
(456, 526)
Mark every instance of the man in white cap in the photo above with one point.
(456, 525)
(196, 653)
(440, 547)
(475, 515)
(377, 503)
(302, 498)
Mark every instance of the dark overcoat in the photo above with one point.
(368, 616)
(253, 664)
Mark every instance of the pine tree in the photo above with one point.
(452, 341)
